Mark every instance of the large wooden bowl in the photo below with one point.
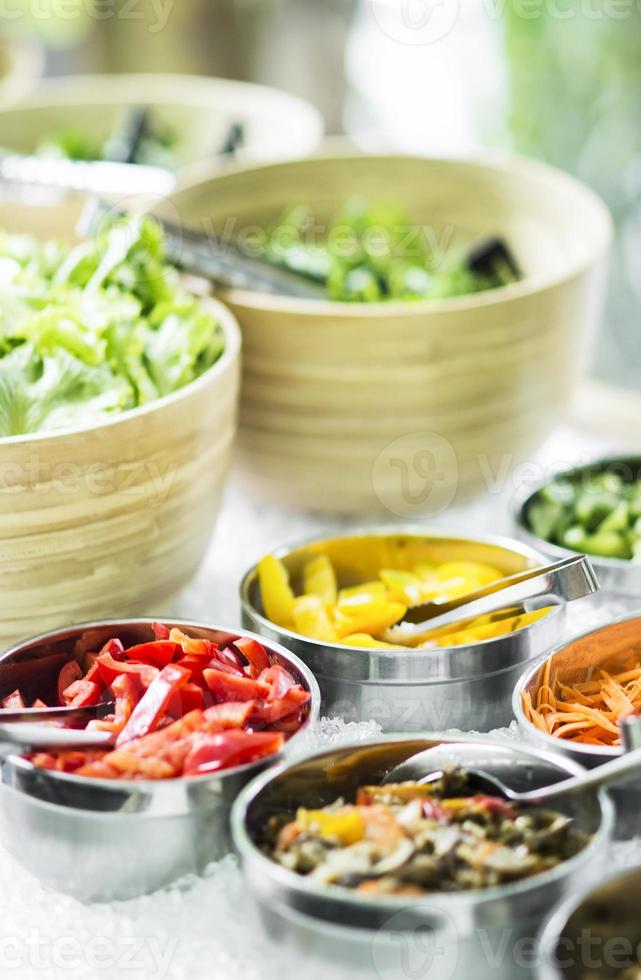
(112, 519)
(399, 407)
(197, 109)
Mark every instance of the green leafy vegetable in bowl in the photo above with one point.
(597, 513)
(96, 329)
(155, 147)
(372, 252)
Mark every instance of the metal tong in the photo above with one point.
(566, 580)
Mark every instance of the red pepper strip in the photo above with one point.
(13, 700)
(82, 693)
(126, 692)
(191, 645)
(158, 653)
(153, 704)
(232, 748)
(269, 712)
(188, 698)
(69, 673)
(112, 648)
(229, 656)
(232, 714)
(254, 652)
(228, 687)
(161, 632)
(110, 669)
(279, 680)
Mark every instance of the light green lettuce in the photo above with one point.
(97, 329)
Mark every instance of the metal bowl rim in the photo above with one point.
(149, 785)
(550, 741)
(413, 531)
(558, 919)
(289, 879)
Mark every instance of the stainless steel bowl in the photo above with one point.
(594, 933)
(571, 661)
(618, 578)
(481, 934)
(467, 687)
(100, 839)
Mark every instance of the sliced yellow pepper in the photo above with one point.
(372, 620)
(312, 619)
(365, 640)
(346, 824)
(319, 579)
(402, 586)
(472, 571)
(275, 591)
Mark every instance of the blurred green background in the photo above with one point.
(557, 79)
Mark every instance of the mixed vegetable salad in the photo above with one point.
(412, 838)
(593, 513)
(371, 252)
(356, 615)
(100, 328)
(181, 707)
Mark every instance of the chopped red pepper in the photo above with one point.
(232, 748)
(188, 698)
(161, 632)
(158, 653)
(279, 680)
(227, 687)
(38, 703)
(13, 700)
(109, 669)
(232, 714)
(254, 652)
(153, 703)
(81, 693)
(69, 673)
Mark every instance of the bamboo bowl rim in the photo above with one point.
(541, 174)
(231, 351)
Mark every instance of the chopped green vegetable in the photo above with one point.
(156, 147)
(372, 252)
(598, 513)
(97, 329)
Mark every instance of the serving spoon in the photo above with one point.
(569, 579)
(430, 765)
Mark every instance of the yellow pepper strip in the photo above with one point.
(346, 824)
(365, 640)
(357, 596)
(319, 578)
(312, 619)
(402, 586)
(473, 571)
(372, 620)
(275, 591)
(487, 631)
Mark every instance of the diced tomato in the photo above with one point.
(161, 632)
(188, 698)
(232, 748)
(69, 673)
(228, 687)
(81, 693)
(110, 669)
(158, 653)
(153, 704)
(232, 714)
(495, 804)
(13, 700)
(254, 652)
(279, 681)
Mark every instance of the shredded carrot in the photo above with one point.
(589, 711)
